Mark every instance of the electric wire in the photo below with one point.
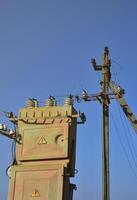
(13, 151)
(118, 64)
(132, 152)
(115, 75)
(126, 127)
(124, 123)
(122, 145)
(98, 186)
(131, 139)
(98, 77)
(116, 78)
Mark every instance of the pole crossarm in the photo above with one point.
(106, 61)
(13, 136)
(119, 92)
(7, 134)
(95, 66)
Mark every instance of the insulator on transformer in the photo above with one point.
(32, 103)
(51, 101)
(68, 101)
(36, 103)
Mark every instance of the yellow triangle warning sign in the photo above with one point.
(42, 140)
(35, 193)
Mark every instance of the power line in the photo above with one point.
(122, 145)
(125, 124)
(118, 64)
(131, 138)
(127, 138)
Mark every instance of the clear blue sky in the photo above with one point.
(45, 49)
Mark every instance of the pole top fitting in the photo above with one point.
(106, 50)
(93, 61)
(106, 58)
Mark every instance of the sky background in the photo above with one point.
(45, 49)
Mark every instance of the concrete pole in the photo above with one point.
(105, 136)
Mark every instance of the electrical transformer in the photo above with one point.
(45, 151)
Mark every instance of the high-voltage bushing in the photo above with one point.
(36, 102)
(31, 103)
(68, 101)
(51, 101)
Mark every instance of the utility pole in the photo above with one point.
(46, 141)
(106, 75)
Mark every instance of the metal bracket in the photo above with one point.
(13, 136)
(82, 117)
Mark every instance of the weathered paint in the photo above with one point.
(45, 155)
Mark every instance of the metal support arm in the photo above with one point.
(12, 136)
(7, 134)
